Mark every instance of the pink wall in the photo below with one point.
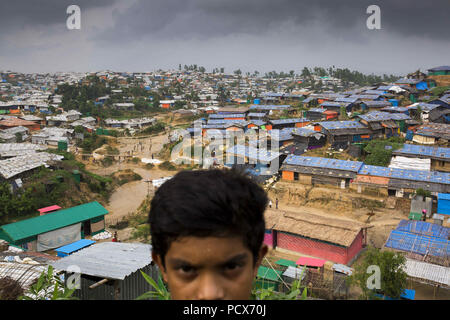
(320, 249)
(268, 239)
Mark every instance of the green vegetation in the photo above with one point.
(167, 165)
(438, 91)
(154, 129)
(49, 287)
(380, 151)
(91, 142)
(392, 274)
(423, 193)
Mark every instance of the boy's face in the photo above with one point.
(210, 268)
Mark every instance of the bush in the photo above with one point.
(380, 151)
(167, 165)
(423, 193)
(120, 225)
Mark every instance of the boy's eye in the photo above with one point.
(186, 269)
(231, 267)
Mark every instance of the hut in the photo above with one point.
(110, 270)
(56, 229)
(328, 238)
(341, 133)
(316, 170)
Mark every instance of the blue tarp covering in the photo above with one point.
(394, 102)
(422, 86)
(419, 244)
(407, 294)
(409, 135)
(443, 203)
(75, 246)
(404, 174)
(417, 150)
(323, 163)
(423, 228)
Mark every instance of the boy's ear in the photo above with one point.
(262, 252)
(158, 261)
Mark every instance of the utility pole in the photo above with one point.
(148, 186)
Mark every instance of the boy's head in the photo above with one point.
(207, 231)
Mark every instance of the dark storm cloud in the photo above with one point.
(17, 14)
(215, 18)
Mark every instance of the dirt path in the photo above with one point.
(127, 198)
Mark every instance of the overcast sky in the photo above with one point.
(263, 35)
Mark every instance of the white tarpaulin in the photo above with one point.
(400, 162)
(152, 161)
(159, 182)
(59, 238)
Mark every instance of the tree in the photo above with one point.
(392, 275)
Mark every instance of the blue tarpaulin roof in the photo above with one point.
(383, 116)
(420, 244)
(332, 125)
(323, 163)
(291, 120)
(348, 100)
(424, 151)
(414, 175)
(423, 228)
(75, 246)
(222, 116)
(331, 104)
(269, 107)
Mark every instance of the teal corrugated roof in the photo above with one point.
(52, 221)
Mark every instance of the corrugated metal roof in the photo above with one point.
(52, 221)
(269, 274)
(294, 273)
(111, 260)
(342, 269)
(427, 271)
(286, 263)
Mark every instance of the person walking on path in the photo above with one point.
(270, 204)
(424, 214)
(276, 203)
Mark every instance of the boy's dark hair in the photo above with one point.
(208, 203)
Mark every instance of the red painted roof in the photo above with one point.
(48, 209)
(310, 262)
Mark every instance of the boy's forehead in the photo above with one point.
(193, 248)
